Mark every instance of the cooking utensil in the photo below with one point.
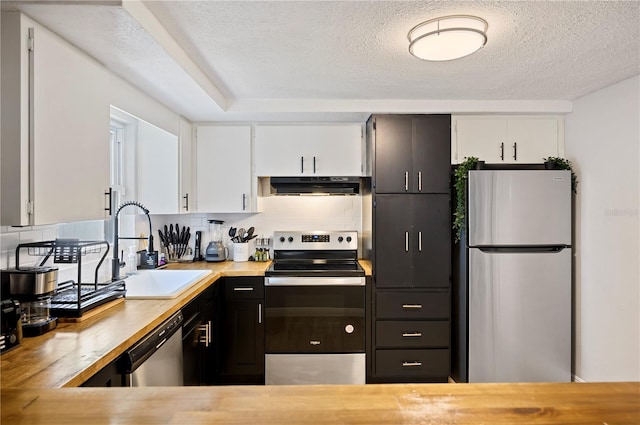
(250, 231)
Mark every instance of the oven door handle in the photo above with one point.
(314, 281)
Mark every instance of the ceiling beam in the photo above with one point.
(150, 23)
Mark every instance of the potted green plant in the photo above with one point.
(557, 163)
(460, 182)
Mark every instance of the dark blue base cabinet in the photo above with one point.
(200, 339)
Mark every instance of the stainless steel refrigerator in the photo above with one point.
(512, 287)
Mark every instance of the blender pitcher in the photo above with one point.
(216, 251)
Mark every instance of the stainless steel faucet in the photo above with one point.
(116, 264)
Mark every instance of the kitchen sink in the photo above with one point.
(161, 284)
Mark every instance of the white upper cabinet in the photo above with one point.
(55, 128)
(506, 140)
(186, 166)
(308, 150)
(157, 169)
(223, 169)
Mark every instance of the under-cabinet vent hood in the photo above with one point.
(315, 185)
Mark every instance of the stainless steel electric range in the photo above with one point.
(315, 310)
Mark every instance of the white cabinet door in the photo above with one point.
(186, 166)
(308, 150)
(223, 169)
(531, 140)
(157, 169)
(506, 140)
(68, 142)
(480, 137)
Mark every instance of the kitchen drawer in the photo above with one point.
(412, 334)
(412, 305)
(430, 362)
(243, 287)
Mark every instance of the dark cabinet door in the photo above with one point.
(432, 250)
(392, 233)
(199, 340)
(412, 241)
(243, 331)
(412, 153)
(244, 342)
(431, 154)
(393, 154)
(192, 353)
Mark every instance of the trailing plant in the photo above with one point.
(563, 164)
(460, 182)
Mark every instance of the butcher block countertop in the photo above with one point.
(392, 404)
(74, 352)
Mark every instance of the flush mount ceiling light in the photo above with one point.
(448, 37)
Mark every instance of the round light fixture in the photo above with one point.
(448, 37)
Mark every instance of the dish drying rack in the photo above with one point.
(73, 298)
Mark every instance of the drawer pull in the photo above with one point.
(411, 364)
(411, 306)
(411, 334)
(243, 288)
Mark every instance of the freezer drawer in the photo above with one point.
(519, 207)
(519, 316)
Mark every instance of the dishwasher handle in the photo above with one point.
(142, 350)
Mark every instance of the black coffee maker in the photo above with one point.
(11, 323)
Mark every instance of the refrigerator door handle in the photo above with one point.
(522, 249)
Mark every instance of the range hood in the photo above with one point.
(315, 185)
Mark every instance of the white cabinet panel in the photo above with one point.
(308, 150)
(63, 139)
(157, 169)
(223, 169)
(186, 166)
(506, 140)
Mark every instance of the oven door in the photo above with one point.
(314, 315)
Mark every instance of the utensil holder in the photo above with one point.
(240, 251)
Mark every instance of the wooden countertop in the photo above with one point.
(73, 352)
(393, 404)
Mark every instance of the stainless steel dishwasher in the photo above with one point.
(156, 360)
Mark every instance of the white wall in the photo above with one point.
(602, 137)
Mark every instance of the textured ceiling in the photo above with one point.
(296, 58)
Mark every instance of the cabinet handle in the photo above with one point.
(109, 195)
(206, 339)
(406, 181)
(502, 151)
(406, 241)
(411, 334)
(302, 164)
(209, 333)
(314, 165)
(411, 364)
(515, 151)
(260, 313)
(419, 241)
(411, 306)
(243, 288)
(186, 202)
(419, 181)
(244, 201)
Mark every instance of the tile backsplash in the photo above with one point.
(11, 237)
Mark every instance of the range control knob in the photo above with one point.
(290, 239)
(340, 238)
(281, 238)
(348, 238)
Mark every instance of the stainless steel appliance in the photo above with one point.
(513, 292)
(156, 360)
(216, 251)
(33, 288)
(315, 310)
